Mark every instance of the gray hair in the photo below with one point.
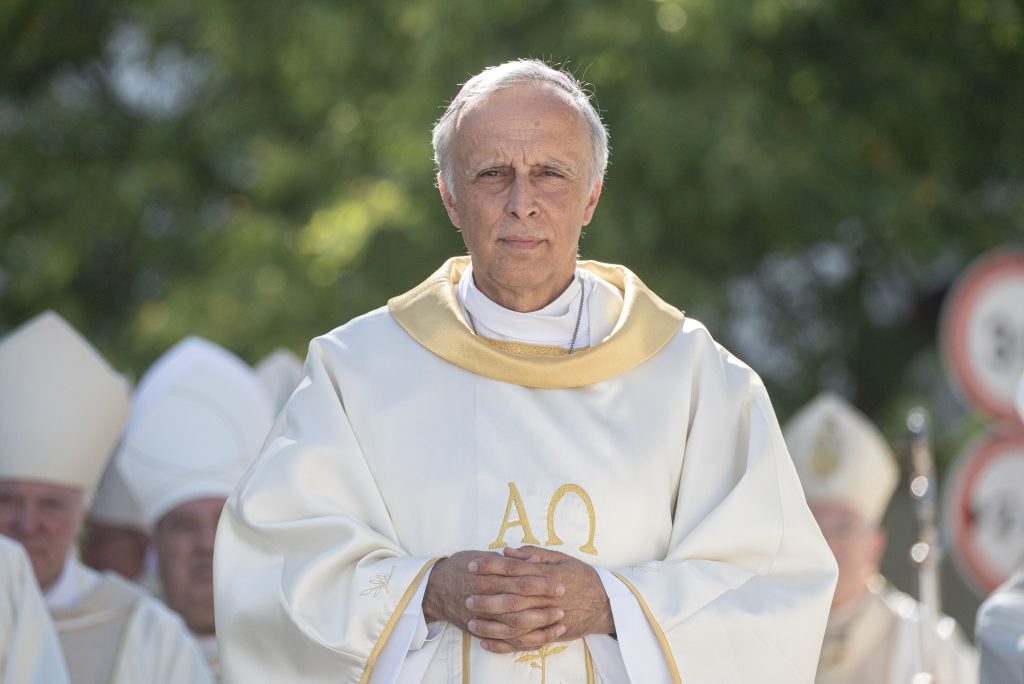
(493, 79)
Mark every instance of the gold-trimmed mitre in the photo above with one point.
(841, 456)
(62, 406)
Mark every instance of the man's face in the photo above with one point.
(44, 518)
(114, 547)
(184, 545)
(857, 546)
(523, 191)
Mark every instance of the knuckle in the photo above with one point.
(513, 603)
(523, 586)
(511, 566)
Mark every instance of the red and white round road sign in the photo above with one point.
(983, 511)
(983, 332)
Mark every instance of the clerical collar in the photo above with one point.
(552, 325)
(64, 591)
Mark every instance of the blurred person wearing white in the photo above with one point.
(393, 527)
(999, 628)
(61, 411)
(116, 536)
(199, 417)
(29, 649)
(280, 371)
(849, 475)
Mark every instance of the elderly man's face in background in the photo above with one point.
(184, 545)
(857, 546)
(44, 518)
(523, 191)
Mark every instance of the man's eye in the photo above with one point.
(489, 173)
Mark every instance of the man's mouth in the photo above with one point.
(521, 242)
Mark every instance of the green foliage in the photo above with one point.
(806, 176)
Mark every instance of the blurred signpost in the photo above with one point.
(983, 344)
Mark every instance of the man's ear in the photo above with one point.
(449, 202)
(595, 194)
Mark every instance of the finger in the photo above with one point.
(501, 565)
(515, 625)
(527, 642)
(499, 604)
(489, 585)
(535, 554)
(524, 553)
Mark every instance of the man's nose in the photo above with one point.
(522, 198)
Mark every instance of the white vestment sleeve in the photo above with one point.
(407, 654)
(747, 567)
(310, 579)
(636, 646)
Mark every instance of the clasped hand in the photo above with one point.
(518, 600)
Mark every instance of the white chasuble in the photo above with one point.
(113, 633)
(29, 649)
(653, 455)
(877, 639)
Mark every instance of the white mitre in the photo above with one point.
(199, 418)
(62, 406)
(280, 372)
(114, 504)
(842, 457)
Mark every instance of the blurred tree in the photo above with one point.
(805, 176)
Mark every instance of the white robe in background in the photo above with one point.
(877, 640)
(29, 649)
(654, 455)
(999, 632)
(111, 632)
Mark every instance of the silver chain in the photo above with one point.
(575, 332)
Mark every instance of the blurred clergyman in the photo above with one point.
(116, 537)
(849, 475)
(61, 410)
(999, 629)
(280, 372)
(198, 419)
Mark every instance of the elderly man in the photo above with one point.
(29, 650)
(61, 411)
(526, 469)
(199, 417)
(849, 474)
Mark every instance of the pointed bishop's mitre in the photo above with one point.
(841, 457)
(114, 504)
(280, 372)
(199, 418)
(62, 406)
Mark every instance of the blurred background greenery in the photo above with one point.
(807, 177)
